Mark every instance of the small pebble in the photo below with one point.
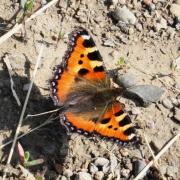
(147, 2)
(127, 80)
(99, 175)
(109, 43)
(131, 30)
(63, 178)
(150, 124)
(145, 94)
(139, 27)
(177, 114)
(135, 111)
(83, 176)
(125, 172)
(174, 101)
(92, 168)
(68, 173)
(124, 152)
(167, 103)
(175, 10)
(152, 7)
(125, 15)
(122, 2)
(100, 161)
(105, 168)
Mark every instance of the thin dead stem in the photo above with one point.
(7, 62)
(19, 26)
(166, 147)
(155, 161)
(31, 130)
(40, 114)
(23, 110)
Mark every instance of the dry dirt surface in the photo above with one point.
(143, 33)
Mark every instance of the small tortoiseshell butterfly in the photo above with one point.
(83, 89)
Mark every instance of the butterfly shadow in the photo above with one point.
(49, 142)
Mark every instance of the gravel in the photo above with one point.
(175, 10)
(125, 15)
(101, 161)
(177, 114)
(99, 175)
(83, 176)
(93, 168)
(167, 103)
(126, 80)
(67, 173)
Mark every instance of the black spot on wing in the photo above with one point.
(120, 112)
(110, 126)
(125, 121)
(88, 43)
(95, 55)
(105, 120)
(80, 62)
(98, 69)
(129, 131)
(82, 55)
(83, 71)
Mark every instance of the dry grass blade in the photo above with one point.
(29, 131)
(23, 110)
(166, 147)
(151, 151)
(6, 61)
(19, 26)
(26, 174)
(40, 114)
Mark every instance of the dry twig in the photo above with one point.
(166, 147)
(6, 61)
(19, 26)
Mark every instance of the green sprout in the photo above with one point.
(27, 5)
(61, 35)
(120, 62)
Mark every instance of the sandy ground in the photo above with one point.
(146, 56)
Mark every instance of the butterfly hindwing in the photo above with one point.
(81, 60)
(114, 123)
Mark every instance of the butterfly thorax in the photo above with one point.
(91, 96)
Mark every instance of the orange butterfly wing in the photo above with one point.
(113, 124)
(81, 60)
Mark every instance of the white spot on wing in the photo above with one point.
(86, 37)
(131, 136)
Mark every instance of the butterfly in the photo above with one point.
(83, 89)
